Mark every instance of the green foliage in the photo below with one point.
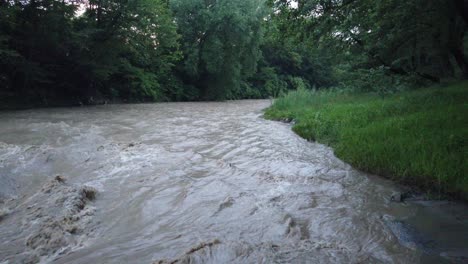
(375, 80)
(133, 48)
(161, 50)
(287, 62)
(407, 39)
(415, 137)
(220, 44)
(116, 49)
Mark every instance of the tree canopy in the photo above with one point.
(77, 52)
(220, 43)
(423, 38)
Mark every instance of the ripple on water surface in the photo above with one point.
(201, 183)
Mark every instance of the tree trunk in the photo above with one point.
(462, 7)
(99, 13)
(461, 61)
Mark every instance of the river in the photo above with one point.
(200, 183)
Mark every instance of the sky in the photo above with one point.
(293, 4)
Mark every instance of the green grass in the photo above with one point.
(416, 137)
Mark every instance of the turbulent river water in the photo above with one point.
(200, 183)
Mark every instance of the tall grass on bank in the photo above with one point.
(416, 137)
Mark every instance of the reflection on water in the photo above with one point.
(200, 183)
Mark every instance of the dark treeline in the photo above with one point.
(78, 52)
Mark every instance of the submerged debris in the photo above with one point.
(185, 258)
(3, 212)
(203, 245)
(397, 197)
(400, 197)
(409, 237)
(60, 178)
(89, 192)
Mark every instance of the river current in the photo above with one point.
(200, 183)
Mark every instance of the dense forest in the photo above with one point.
(71, 52)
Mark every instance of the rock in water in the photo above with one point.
(396, 197)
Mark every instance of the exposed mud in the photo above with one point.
(201, 183)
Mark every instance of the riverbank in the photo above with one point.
(203, 183)
(416, 138)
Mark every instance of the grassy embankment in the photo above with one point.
(416, 137)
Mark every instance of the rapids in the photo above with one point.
(200, 183)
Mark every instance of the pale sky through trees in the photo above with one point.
(293, 4)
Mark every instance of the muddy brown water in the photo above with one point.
(201, 183)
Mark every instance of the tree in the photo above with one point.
(221, 40)
(296, 63)
(118, 49)
(419, 37)
(131, 48)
